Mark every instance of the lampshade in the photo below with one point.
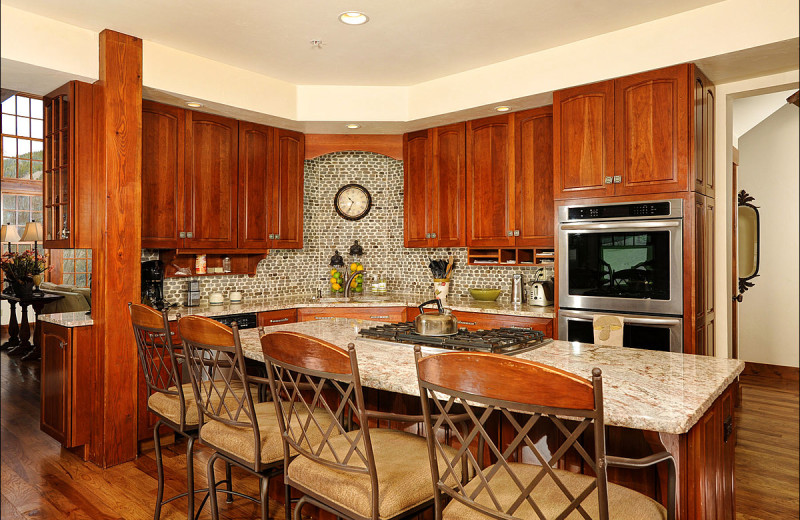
(33, 232)
(8, 233)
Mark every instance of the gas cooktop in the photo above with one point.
(505, 340)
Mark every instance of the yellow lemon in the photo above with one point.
(333, 280)
(335, 286)
(334, 271)
(353, 267)
(360, 267)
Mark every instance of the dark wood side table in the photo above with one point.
(18, 343)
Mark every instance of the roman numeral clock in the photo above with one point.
(352, 202)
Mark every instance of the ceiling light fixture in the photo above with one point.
(353, 126)
(193, 104)
(502, 108)
(353, 18)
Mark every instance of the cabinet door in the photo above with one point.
(281, 317)
(652, 131)
(211, 212)
(478, 321)
(255, 195)
(286, 182)
(388, 314)
(163, 129)
(490, 181)
(703, 137)
(583, 141)
(534, 177)
(447, 200)
(55, 381)
(417, 187)
(709, 98)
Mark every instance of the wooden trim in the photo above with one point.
(771, 371)
(794, 99)
(23, 187)
(320, 144)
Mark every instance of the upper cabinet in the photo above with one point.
(68, 168)
(633, 135)
(434, 191)
(490, 181)
(533, 171)
(704, 113)
(213, 183)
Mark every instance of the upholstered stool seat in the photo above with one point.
(402, 466)
(623, 503)
(169, 405)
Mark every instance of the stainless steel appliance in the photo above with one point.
(153, 284)
(192, 293)
(664, 333)
(517, 289)
(244, 320)
(624, 257)
(541, 293)
(441, 323)
(507, 340)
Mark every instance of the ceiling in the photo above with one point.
(750, 111)
(404, 43)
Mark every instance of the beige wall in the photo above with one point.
(768, 170)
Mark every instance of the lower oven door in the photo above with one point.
(645, 332)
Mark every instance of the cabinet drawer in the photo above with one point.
(270, 318)
(390, 314)
(477, 320)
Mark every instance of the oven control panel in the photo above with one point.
(640, 209)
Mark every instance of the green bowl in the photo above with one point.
(485, 295)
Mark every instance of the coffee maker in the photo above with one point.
(153, 284)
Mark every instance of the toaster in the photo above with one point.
(541, 293)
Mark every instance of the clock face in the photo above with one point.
(352, 202)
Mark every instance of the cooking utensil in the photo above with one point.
(442, 323)
(485, 295)
(449, 268)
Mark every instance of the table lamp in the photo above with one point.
(8, 233)
(34, 233)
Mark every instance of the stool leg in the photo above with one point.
(229, 480)
(264, 492)
(212, 488)
(190, 475)
(298, 507)
(159, 470)
(288, 492)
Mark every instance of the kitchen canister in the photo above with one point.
(441, 288)
(200, 264)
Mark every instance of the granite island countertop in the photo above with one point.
(658, 391)
(81, 319)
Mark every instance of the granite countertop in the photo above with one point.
(80, 319)
(658, 391)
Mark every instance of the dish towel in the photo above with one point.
(608, 329)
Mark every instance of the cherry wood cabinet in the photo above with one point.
(478, 320)
(533, 196)
(701, 275)
(66, 378)
(390, 314)
(272, 318)
(255, 197)
(68, 167)
(434, 169)
(286, 186)
(163, 133)
(641, 134)
(211, 180)
(490, 183)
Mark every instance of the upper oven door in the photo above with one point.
(633, 266)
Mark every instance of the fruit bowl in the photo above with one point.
(485, 295)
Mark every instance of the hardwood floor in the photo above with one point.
(39, 479)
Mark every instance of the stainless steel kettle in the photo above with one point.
(442, 323)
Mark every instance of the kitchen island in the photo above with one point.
(680, 402)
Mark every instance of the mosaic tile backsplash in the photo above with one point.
(301, 272)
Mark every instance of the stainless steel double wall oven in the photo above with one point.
(624, 259)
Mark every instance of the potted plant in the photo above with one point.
(23, 270)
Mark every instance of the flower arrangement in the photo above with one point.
(21, 268)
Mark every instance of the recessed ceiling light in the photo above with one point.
(193, 104)
(353, 18)
(502, 108)
(353, 125)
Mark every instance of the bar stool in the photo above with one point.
(508, 489)
(361, 474)
(167, 394)
(240, 430)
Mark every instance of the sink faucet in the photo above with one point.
(350, 279)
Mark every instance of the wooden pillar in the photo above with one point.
(116, 245)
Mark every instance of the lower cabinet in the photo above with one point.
(478, 320)
(281, 317)
(66, 383)
(391, 314)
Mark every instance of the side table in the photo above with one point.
(18, 343)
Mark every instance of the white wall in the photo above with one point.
(768, 170)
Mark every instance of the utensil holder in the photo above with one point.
(441, 288)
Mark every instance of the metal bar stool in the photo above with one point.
(167, 395)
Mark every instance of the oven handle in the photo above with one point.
(620, 225)
(634, 320)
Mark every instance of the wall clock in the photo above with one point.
(352, 202)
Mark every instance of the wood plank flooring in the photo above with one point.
(41, 480)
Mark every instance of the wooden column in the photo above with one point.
(116, 244)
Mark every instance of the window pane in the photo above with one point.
(9, 147)
(9, 124)
(80, 280)
(24, 148)
(23, 169)
(9, 168)
(23, 203)
(69, 253)
(69, 279)
(36, 108)
(9, 105)
(37, 129)
(24, 126)
(69, 266)
(23, 106)
(36, 204)
(37, 148)
(80, 266)
(9, 201)
(9, 217)
(37, 216)
(36, 170)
